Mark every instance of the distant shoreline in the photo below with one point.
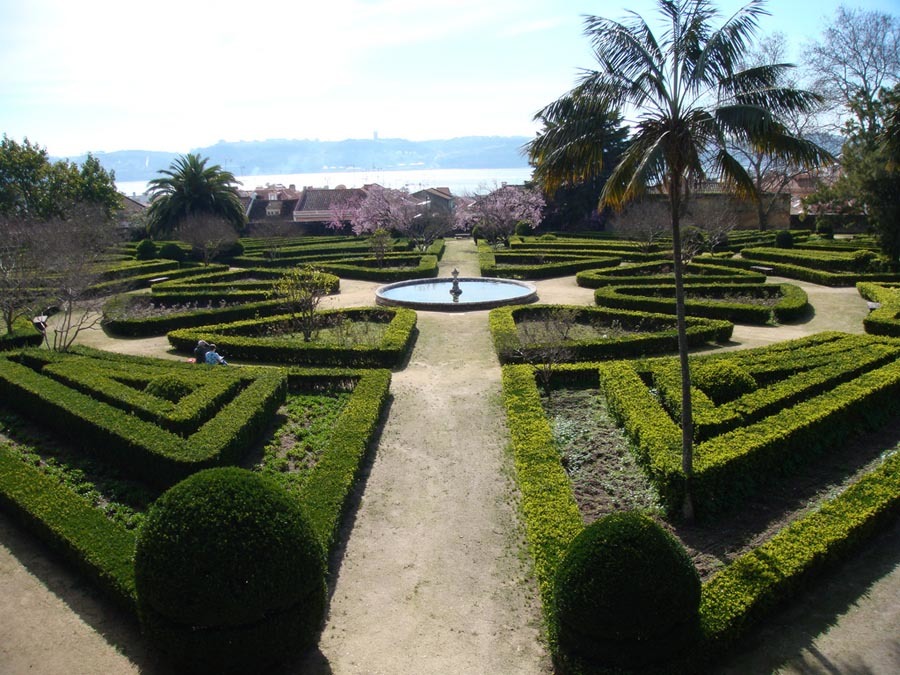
(460, 181)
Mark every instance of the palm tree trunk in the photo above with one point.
(687, 417)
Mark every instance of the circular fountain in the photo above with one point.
(459, 294)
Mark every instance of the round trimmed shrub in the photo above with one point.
(170, 387)
(784, 239)
(625, 595)
(172, 251)
(723, 380)
(230, 576)
(145, 250)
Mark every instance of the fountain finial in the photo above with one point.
(454, 286)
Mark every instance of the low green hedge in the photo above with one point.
(24, 334)
(749, 589)
(325, 494)
(138, 447)
(395, 267)
(68, 524)
(792, 305)
(552, 518)
(659, 333)
(658, 273)
(543, 265)
(884, 320)
(827, 261)
(104, 551)
(765, 432)
(160, 325)
(247, 340)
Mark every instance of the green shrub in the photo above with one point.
(784, 239)
(626, 596)
(523, 229)
(145, 250)
(172, 251)
(170, 387)
(229, 574)
(722, 381)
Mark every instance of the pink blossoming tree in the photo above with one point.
(497, 213)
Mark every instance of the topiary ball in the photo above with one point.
(784, 239)
(229, 574)
(723, 380)
(626, 595)
(145, 250)
(170, 387)
(172, 251)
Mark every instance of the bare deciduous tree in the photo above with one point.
(207, 234)
(71, 258)
(857, 55)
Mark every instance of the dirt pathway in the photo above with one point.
(432, 579)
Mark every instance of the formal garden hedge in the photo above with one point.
(99, 406)
(884, 319)
(837, 405)
(660, 272)
(23, 334)
(740, 303)
(629, 334)
(272, 339)
(225, 287)
(541, 264)
(104, 549)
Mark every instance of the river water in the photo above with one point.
(460, 181)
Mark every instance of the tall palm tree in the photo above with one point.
(690, 97)
(188, 187)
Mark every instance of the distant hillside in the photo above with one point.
(250, 158)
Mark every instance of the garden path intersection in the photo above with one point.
(433, 577)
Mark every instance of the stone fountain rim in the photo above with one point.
(462, 305)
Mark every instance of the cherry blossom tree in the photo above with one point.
(381, 209)
(497, 213)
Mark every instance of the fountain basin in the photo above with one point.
(476, 293)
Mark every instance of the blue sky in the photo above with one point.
(105, 75)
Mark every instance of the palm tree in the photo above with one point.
(188, 187)
(690, 98)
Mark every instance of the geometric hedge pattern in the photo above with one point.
(156, 421)
(756, 412)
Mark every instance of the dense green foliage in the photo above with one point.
(626, 595)
(33, 187)
(885, 319)
(230, 575)
(189, 187)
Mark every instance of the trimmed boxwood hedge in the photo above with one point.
(659, 333)
(104, 551)
(851, 385)
(792, 305)
(98, 547)
(24, 334)
(750, 588)
(160, 325)
(138, 447)
(660, 272)
(884, 320)
(230, 575)
(828, 261)
(240, 340)
(543, 264)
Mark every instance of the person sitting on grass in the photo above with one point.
(214, 358)
(200, 351)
